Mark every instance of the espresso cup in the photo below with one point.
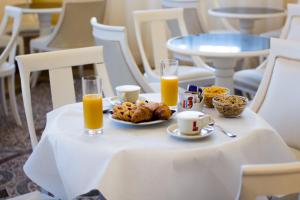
(128, 93)
(191, 122)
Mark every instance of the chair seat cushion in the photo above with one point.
(41, 44)
(296, 152)
(194, 73)
(156, 87)
(249, 79)
(7, 69)
(272, 34)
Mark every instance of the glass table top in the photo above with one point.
(248, 10)
(40, 5)
(220, 43)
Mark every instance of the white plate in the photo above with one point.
(115, 100)
(141, 123)
(205, 132)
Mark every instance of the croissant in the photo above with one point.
(142, 114)
(163, 112)
(152, 106)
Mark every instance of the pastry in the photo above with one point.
(162, 112)
(142, 114)
(152, 106)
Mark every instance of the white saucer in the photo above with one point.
(115, 100)
(205, 132)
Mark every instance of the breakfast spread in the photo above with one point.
(210, 92)
(230, 105)
(141, 112)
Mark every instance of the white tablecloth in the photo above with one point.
(134, 163)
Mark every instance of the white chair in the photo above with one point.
(277, 99)
(269, 180)
(190, 14)
(249, 80)
(72, 30)
(7, 65)
(157, 19)
(121, 66)
(59, 63)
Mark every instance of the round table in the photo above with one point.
(247, 15)
(144, 162)
(44, 12)
(223, 49)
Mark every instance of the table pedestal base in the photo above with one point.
(224, 72)
(246, 26)
(45, 23)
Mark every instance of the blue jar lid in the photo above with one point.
(192, 88)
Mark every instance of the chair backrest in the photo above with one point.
(277, 99)
(268, 180)
(190, 14)
(9, 53)
(291, 29)
(121, 67)
(59, 64)
(156, 19)
(73, 29)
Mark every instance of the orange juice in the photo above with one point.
(169, 90)
(93, 111)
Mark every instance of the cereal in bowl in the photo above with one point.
(210, 92)
(230, 105)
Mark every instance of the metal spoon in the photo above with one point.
(232, 135)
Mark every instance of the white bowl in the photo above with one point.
(128, 93)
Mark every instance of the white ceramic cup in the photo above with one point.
(128, 93)
(191, 122)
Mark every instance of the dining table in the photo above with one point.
(223, 49)
(247, 15)
(132, 162)
(44, 12)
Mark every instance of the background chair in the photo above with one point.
(269, 180)
(249, 80)
(59, 63)
(120, 63)
(73, 29)
(156, 19)
(190, 15)
(7, 65)
(277, 100)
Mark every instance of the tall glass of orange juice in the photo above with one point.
(92, 105)
(169, 81)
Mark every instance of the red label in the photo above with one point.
(195, 127)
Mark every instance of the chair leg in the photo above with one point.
(12, 99)
(21, 46)
(3, 95)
